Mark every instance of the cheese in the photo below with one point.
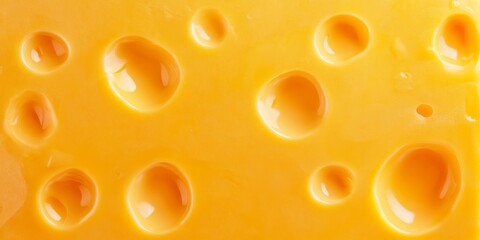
(239, 119)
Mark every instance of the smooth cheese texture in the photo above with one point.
(206, 119)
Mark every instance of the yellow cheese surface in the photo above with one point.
(241, 119)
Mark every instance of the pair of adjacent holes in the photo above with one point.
(145, 75)
(159, 198)
(342, 37)
(293, 104)
(30, 117)
(415, 190)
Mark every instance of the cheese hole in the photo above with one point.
(456, 41)
(292, 104)
(209, 27)
(44, 52)
(160, 198)
(142, 74)
(341, 38)
(30, 118)
(332, 184)
(68, 199)
(424, 110)
(417, 188)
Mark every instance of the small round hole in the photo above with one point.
(30, 118)
(142, 74)
(292, 104)
(332, 184)
(456, 41)
(160, 198)
(43, 52)
(68, 199)
(417, 188)
(209, 27)
(341, 38)
(424, 110)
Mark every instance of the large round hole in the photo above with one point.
(142, 74)
(417, 188)
(456, 41)
(30, 118)
(68, 198)
(44, 52)
(341, 38)
(292, 104)
(160, 198)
